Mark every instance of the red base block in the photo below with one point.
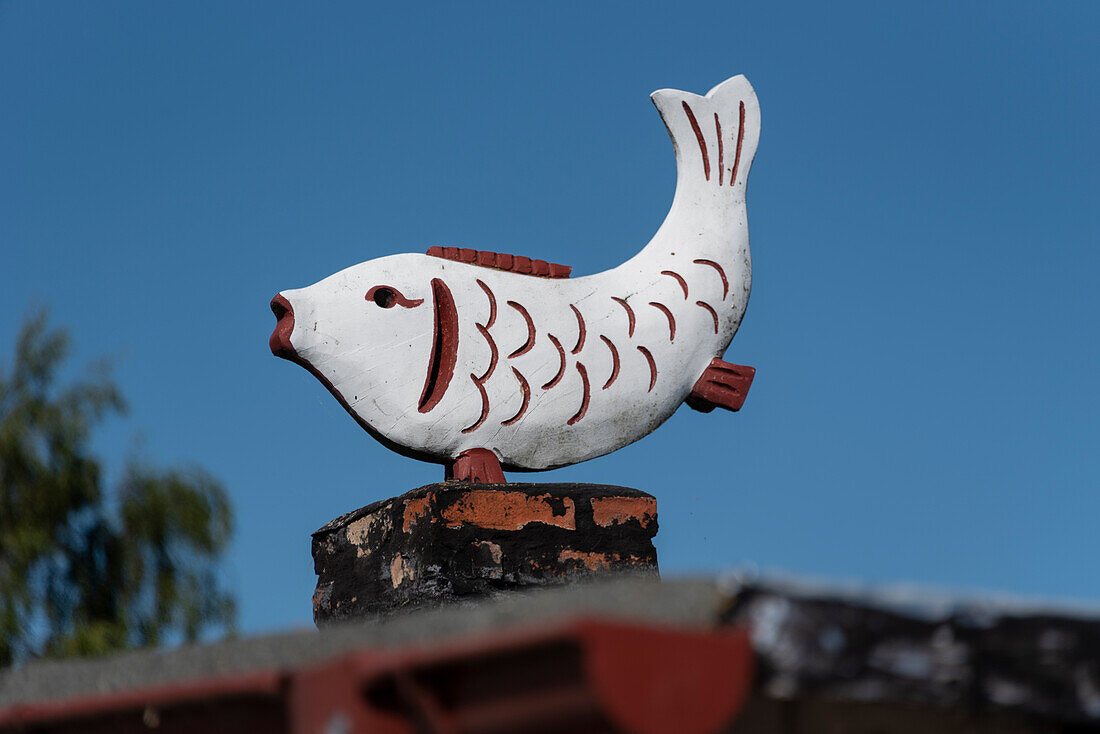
(723, 385)
(476, 465)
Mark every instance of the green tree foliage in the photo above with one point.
(84, 571)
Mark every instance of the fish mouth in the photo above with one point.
(441, 365)
(279, 342)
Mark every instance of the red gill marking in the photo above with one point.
(584, 399)
(492, 304)
(711, 311)
(652, 367)
(721, 274)
(526, 399)
(501, 261)
(668, 315)
(493, 346)
(740, 139)
(387, 296)
(484, 406)
(679, 279)
(699, 137)
(718, 130)
(614, 362)
(629, 314)
(561, 368)
(581, 332)
(441, 365)
(530, 331)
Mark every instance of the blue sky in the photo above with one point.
(924, 221)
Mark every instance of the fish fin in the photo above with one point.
(500, 261)
(476, 465)
(715, 136)
(722, 385)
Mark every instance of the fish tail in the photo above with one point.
(715, 138)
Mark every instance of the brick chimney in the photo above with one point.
(456, 540)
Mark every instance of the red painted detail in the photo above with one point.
(652, 367)
(614, 362)
(526, 398)
(581, 330)
(722, 385)
(493, 359)
(484, 406)
(584, 398)
(740, 140)
(721, 274)
(441, 365)
(629, 314)
(713, 314)
(699, 137)
(476, 465)
(387, 296)
(648, 687)
(583, 674)
(579, 676)
(502, 261)
(561, 367)
(492, 305)
(526, 347)
(279, 341)
(718, 131)
(679, 279)
(668, 315)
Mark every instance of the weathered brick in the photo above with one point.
(496, 509)
(456, 540)
(608, 511)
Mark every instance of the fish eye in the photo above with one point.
(385, 297)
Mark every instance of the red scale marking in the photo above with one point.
(652, 367)
(629, 314)
(484, 406)
(493, 346)
(711, 311)
(492, 305)
(581, 333)
(721, 274)
(526, 399)
(530, 331)
(584, 399)
(561, 368)
(668, 315)
(614, 362)
(679, 279)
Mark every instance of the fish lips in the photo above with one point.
(279, 342)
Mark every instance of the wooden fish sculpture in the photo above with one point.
(484, 361)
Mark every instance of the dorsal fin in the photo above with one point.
(500, 261)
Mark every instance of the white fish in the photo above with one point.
(479, 366)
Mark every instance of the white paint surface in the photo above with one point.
(377, 359)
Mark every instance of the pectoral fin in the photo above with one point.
(722, 385)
